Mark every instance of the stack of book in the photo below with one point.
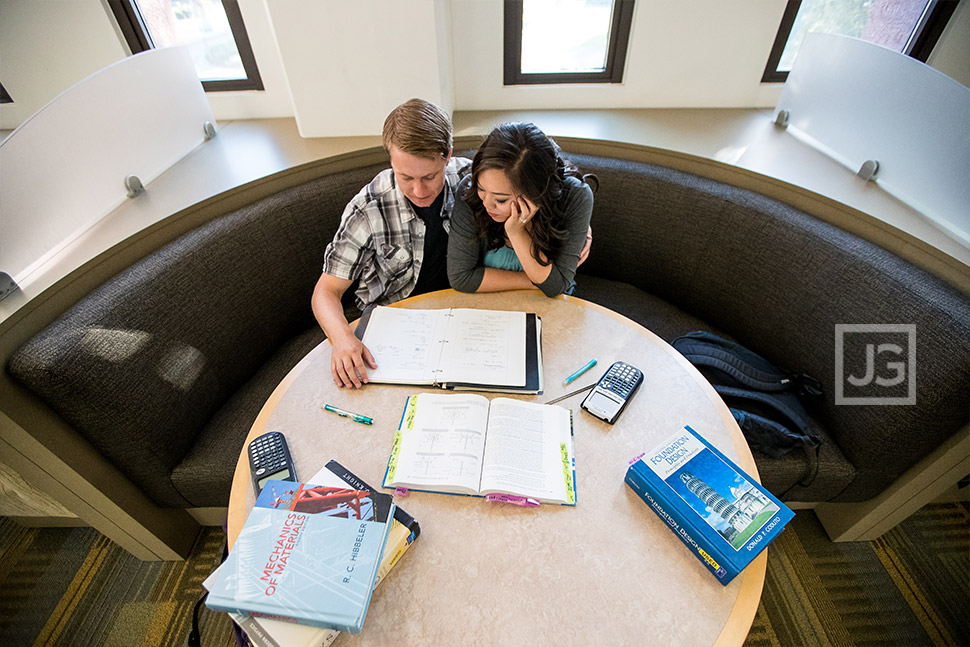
(308, 558)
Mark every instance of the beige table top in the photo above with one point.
(605, 572)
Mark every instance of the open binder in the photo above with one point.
(455, 348)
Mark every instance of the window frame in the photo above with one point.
(4, 95)
(139, 40)
(615, 52)
(920, 45)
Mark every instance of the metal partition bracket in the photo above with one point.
(134, 185)
(869, 170)
(7, 285)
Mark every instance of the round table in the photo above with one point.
(605, 572)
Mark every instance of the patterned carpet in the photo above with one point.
(71, 586)
(910, 587)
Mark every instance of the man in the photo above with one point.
(393, 236)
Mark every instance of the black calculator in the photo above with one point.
(269, 458)
(612, 393)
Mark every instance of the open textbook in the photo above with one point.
(464, 444)
(454, 348)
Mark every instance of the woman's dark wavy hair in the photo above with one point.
(533, 164)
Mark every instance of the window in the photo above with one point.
(566, 41)
(910, 27)
(213, 31)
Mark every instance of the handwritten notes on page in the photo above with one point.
(406, 344)
(447, 346)
(486, 347)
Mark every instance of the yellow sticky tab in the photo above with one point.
(392, 461)
(410, 409)
(407, 424)
(567, 473)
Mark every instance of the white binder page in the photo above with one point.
(406, 344)
(485, 347)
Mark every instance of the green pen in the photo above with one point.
(356, 417)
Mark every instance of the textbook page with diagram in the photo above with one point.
(454, 348)
(464, 444)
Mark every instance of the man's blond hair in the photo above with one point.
(419, 128)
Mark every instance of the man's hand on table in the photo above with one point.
(349, 361)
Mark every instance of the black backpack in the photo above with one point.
(764, 399)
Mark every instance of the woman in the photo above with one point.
(522, 216)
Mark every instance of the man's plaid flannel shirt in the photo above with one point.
(380, 240)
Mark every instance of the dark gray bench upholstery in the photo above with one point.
(165, 366)
(695, 253)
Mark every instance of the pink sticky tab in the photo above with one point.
(401, 491)
(510, 498)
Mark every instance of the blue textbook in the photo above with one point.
(307, 554)
(723, 516)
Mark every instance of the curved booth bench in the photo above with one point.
(136, 379)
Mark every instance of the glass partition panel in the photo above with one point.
(65, 167)
(857, 102)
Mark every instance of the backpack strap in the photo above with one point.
(737, 372)
(742, 365)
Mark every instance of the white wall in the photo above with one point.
(698, 54)
(349, 63)
(46, 47)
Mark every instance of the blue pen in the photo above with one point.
(356, 417)
(572, 377)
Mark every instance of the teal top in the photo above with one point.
(503, 258)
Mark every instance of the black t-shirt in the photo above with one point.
(434, 269)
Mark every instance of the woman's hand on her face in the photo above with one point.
(522, 211)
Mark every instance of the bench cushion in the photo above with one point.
(779, 475)
(143, 364)
(205, 475)
(162, 368)
(779, 281)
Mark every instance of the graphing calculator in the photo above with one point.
(269, 458)
(611, 394)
